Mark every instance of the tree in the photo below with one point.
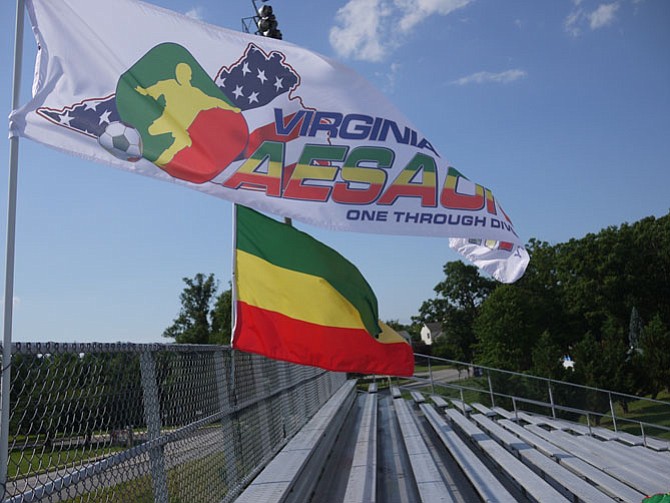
(222, 315)
(460, 295)
(634, 330)
(505, 330)
(547, 357)
(655, 358)
(203, 318)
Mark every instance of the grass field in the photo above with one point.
(197, 481)
(648, 412)
(32, 462)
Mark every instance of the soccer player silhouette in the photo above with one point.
(183, 103)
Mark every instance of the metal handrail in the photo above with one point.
(552, 405)
(539, 378)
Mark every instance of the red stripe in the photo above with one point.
(339, 349)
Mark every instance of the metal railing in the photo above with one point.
(558, 399)
(150, 422)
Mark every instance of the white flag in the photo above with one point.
(501, 260)
(253, 120)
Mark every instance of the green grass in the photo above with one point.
(649, 412)
(138, 490)
(424, 368)
(197, 481)
(31, 462)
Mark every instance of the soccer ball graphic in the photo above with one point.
(122, 141)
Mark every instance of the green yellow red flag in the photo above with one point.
(299, 300)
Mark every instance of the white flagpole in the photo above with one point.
(9, 257)
(233, 305)
(233, 318)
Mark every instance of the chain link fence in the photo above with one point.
(144, 423)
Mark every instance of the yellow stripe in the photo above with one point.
(388, 335)
(298, 295)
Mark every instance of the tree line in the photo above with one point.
(603, 299)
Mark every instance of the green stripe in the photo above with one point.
(287, 247)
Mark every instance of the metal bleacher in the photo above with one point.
(391, 444)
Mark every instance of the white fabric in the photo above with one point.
(86, 45)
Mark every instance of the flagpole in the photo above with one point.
(233, 304)
(10, 248)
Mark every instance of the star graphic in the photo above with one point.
(90, 105)
(223, 82)
(261, 76)
(253, 97)
(238, 92)
(245, 69)
(278, 83)
(65, 119)
(104, 118)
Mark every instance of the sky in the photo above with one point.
(561, 107)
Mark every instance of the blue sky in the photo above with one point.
(562, 107)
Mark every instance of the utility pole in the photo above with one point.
(266, 26)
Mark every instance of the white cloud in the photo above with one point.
(412, 12)
(603, 15)
(389, 78)
(369, 30)
(572, 22)
(359, 35)
(484, 77)
(196, 13)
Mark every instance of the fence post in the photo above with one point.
(644, 437)
(551, 400)
(229, 436)
(284, 397)
(488, 377)
(609, 394)
(430, 374)
(152, 417)
(516, 412)
(8, 308)
(261, 385)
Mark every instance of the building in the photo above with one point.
(430, 332)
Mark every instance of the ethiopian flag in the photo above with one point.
(300, 301)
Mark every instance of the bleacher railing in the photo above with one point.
(559, 399)
(150, 422)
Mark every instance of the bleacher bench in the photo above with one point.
(595, 455)
(286, 477)
(526, 479)
(482, 479)
(429, 481)
(417, 397)
(439, 401)
(607, 483)
(362, 484)
(461, 405)
(483, 409)
(573, 486)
